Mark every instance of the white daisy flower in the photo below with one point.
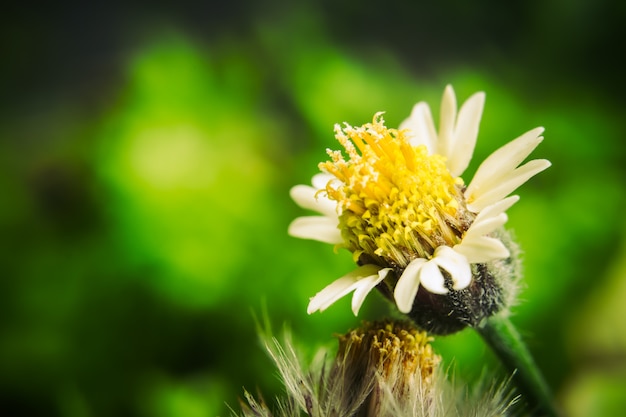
(398, 203)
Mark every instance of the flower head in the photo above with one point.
(396, 200)
(383, 369)
(394, 362)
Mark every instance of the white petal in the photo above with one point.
(486, 225)
(507, 184)
(482, 249)
(465, 134)
(320, 228)
(456, 264)
(303, 195)
(447, 120)
(330, 294)
(421, 128)
(408, 284)
(496, 208)
(510, 155)
(365, 286)
(432, 278)
(307, 197)
(320, 180)
(491, 217)
(501, 162)
(339, 288)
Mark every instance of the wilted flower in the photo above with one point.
(417, 233)
(382, 369)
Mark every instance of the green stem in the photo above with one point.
(507, 343)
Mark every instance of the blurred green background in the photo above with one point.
(147, 150)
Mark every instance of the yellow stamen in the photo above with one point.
(399, 352)
(397, 202)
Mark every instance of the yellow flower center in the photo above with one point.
(397, 202)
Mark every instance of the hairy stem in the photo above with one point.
(506, 342)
